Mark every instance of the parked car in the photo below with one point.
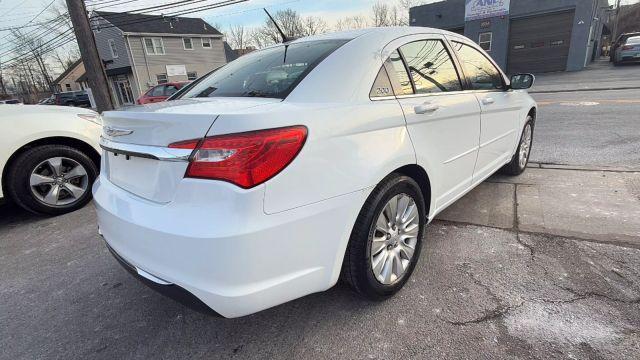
(629, 51)
(622, 38)
(160, 92)
(51, 100)
(49, 157)
(297, 164)
(11, 102)
(73, 98)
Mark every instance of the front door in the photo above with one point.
(443, 121)
(499, 110)
(123, 90)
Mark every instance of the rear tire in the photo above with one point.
(51, 179)
(516, 166)
(370, 249)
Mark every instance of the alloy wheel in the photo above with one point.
(525, 146)
(59, 181)
(394, 239)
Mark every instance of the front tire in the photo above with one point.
(51, 179)
(385, 243)
(520, 159)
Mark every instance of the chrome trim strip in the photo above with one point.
(145, 151)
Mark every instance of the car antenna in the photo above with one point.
(284, 37)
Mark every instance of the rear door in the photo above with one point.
(499, 109)
(443, 120)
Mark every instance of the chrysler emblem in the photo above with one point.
(113, 132)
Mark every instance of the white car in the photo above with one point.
(294, 165)
(49, 156)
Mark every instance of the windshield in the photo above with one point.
(272, 72)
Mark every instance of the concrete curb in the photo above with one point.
(582, 167)
(581, 90)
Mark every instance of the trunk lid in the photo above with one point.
(137, 158)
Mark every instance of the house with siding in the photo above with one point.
(69, 79)
(140, 51)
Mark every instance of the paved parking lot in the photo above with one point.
(542, 266)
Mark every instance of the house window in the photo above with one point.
(484, 40)
(188, 43)
(153, 46)
(192, 75)
(68, 87)
(162, 78)
(206, 43)
(112, 47)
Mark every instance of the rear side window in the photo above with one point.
(273, 72)
(398, 74)
(382, 86)
(480, 71)
(431, 67)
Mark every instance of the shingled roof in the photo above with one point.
(142, 23)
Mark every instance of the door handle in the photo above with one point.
(488, 101)
(426, 108)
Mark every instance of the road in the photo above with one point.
(595, 128)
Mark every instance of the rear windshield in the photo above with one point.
(271, 73)
(633, 40)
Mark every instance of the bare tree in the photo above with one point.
(351, 22)
(312, 25)
(385, 14)
(237, 37)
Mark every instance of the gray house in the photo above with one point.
(524, 35)
(140, 51)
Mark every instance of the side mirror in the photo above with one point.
(522, 81)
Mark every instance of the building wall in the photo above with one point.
(71, 78)
(108, 31)
(586, 32)
(201, 60)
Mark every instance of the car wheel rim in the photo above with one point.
(394, 239)
(525, 146)
(59, 181)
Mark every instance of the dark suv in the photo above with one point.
(72, 98)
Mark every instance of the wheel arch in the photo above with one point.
(54, 140)
(419, 174)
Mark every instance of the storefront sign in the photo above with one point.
(482, 9)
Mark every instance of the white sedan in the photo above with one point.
(296, 165)
(49, 156)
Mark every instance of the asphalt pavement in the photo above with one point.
(541, 266)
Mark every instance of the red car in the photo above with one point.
(160, 92)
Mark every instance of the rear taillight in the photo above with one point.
(627, 47)
(245, 159)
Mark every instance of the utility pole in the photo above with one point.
(92, 63)
(614, 36)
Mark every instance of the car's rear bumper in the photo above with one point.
(219, 245)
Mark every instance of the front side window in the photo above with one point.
(273, 72)
(170, 90)
(112, 47)
(480, 71)
(154, 46)
(162, 78)
(398, 74)
(431, 67)
(188, 43)
(484, 40)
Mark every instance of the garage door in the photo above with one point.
(541, 43)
